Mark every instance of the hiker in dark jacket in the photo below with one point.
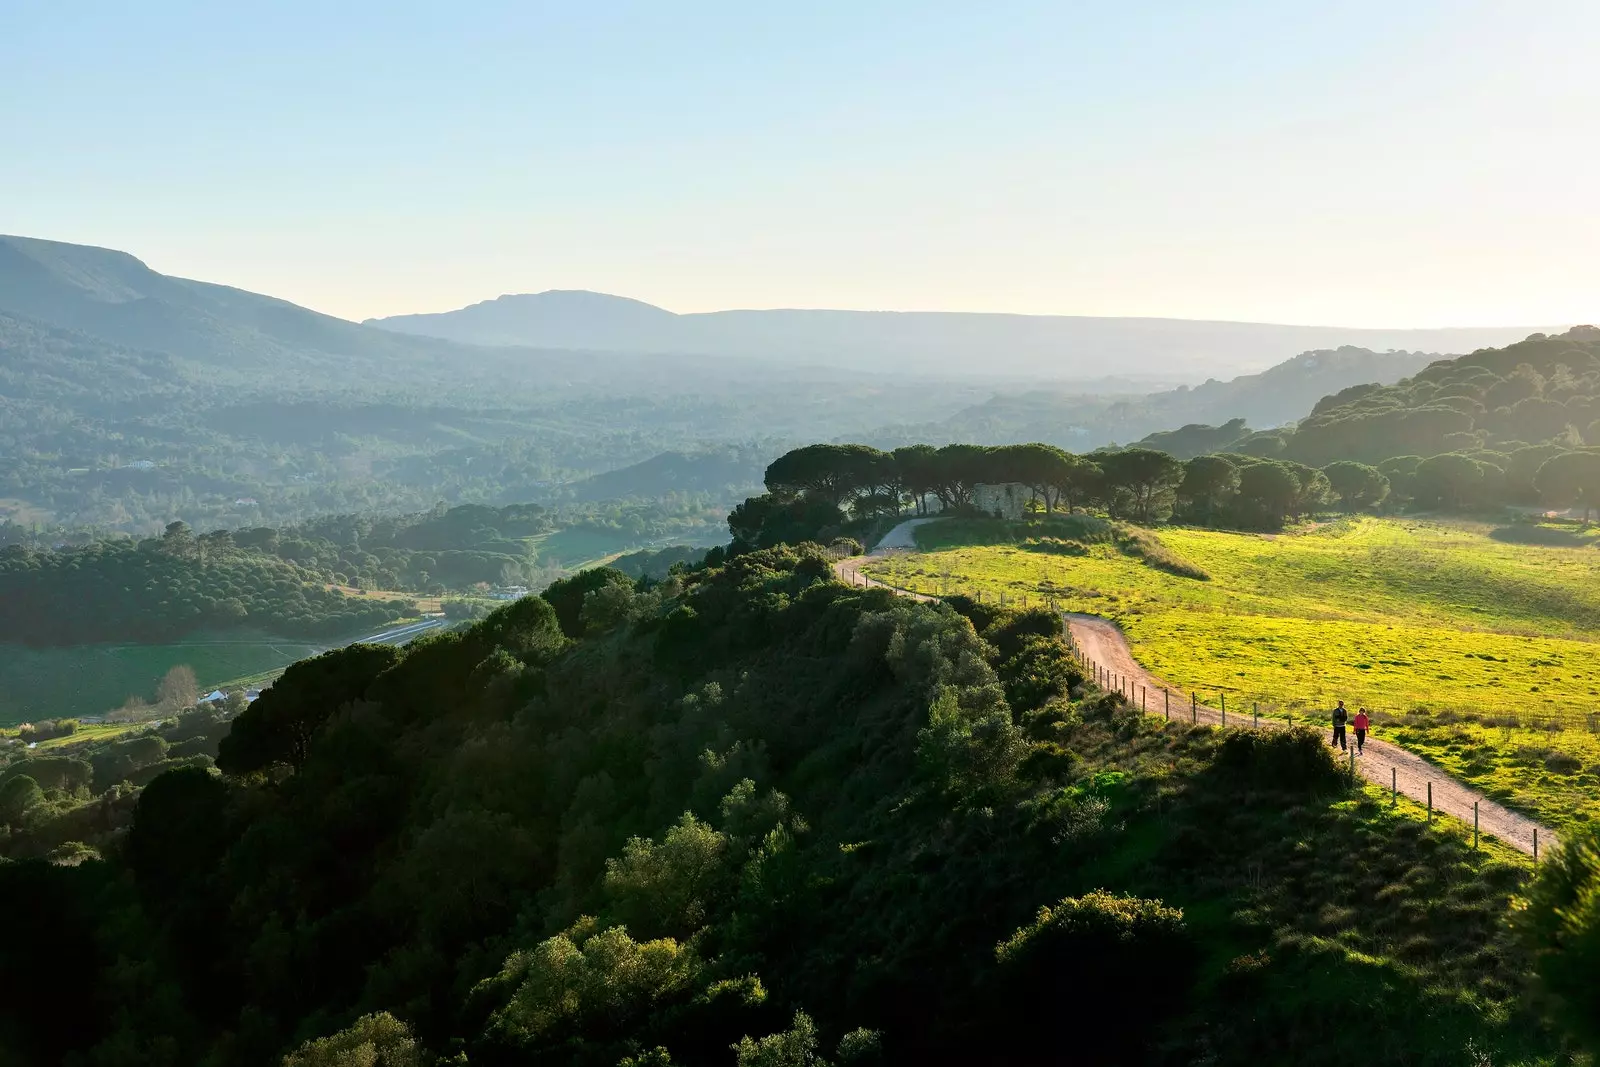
(1340, 717)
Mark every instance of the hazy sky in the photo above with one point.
(1386, 163)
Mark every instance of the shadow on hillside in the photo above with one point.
(1528, 534)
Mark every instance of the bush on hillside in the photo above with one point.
(1056, 546)
(1146, 546)
(1560, 920)
(1121, 941)
(1294, 760)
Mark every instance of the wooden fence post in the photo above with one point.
(1394, 787)
(1474, 825)
(1224, 701)
(1535, 844)
(1168, 694)
(1257, 714)
(1194, 707)
(1430, 803)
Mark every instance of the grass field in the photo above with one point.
(1470, 645)
(95, 679)
(49, 683)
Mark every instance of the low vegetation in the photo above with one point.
(1467, 647)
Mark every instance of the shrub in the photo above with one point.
(47, 729)
(1074, 965)
(1146, 546)
(1560, 921)
(846, 546)
(378, 1040)
(1292, 761)
(1056, 546)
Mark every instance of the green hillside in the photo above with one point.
(751, 815)
(1543, 390)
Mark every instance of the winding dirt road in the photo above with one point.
(1105, 650)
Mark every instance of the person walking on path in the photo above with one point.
(1361, 722)
(1340, 717)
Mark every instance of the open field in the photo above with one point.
(49, 683)
(86, 733)
(425, 604)
(1472, 649)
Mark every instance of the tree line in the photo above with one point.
(818, 491)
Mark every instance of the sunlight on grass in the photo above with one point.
(1468, 647)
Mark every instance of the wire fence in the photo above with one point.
(1244, 712)
(1586, 721)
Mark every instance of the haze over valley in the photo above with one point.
(1010, 534)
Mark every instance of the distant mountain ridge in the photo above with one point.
(1281, 394)
(944, 343)
(111, 295)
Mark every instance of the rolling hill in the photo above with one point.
(1279, 395)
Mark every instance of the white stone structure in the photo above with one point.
(1009, 500)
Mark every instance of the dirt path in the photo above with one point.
(1105, 647)
(1386, 765)
(900, 539)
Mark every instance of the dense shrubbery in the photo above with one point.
(748, 809)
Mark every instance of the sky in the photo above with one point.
(1403, 163)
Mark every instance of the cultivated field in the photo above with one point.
(1471, 645)
(48, 683)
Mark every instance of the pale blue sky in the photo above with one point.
(1393, 163)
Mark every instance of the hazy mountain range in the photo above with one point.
(1075, 420)
(1037, 347)
(128, 397)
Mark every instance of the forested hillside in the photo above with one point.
(130, 399)
(1541, 390)
(748, 816)
(1518, 425)
(1270, 398)
(164, 588)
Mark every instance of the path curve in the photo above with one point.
(1103, 644)
(899, 539)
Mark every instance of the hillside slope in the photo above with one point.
(751, 808)
(1545, 388)
(1281, 394)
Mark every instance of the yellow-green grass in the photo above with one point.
(1469, 648)
(85, 733)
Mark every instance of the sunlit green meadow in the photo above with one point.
(1468, 645)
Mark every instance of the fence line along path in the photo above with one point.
(1103, 645)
